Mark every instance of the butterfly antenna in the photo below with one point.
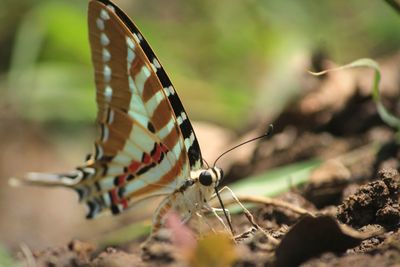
(224, 210)
(205, 161)
(268, 133)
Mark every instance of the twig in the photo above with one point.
(30, 260)
(271, 202)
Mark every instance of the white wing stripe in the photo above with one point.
(106, 182)
(107, 73)
(132, 86)
(106, 55)
(143, 120)
(180, 119)
(122, 159)
(100, 24)
(108, 93)
(140, 137)
(141, 78)
(153, 102)
(177, 149)
(104, 39)
(150, 177)
(105, 133)
(166, 130)
(104, 15)
(189, 141)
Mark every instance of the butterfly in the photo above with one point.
(146, 146)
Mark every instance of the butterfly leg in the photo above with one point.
(224, 210)
(186, 218)
(255, 227)
(247, 213)
(160, 213)
(158, 221)
(168, 204)
(201, 216)
(214, 211)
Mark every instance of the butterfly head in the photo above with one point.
(210, 177)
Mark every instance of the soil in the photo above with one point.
(350, 210)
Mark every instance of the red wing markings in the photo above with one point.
(136, 176)
(156, 173)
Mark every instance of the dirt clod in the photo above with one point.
(115, 258)
(76, 253)
(375, 202)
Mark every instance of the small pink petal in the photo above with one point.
(182, 236)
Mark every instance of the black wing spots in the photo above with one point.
(109, 116)
(88, 157)
(130, 177)
(96, 151)
(81, 192)
(194, 154)
(151, 128)
(105, 169)
(161, 158)
(107, 158)
(186, 128)
(154, 150)
(102, 131)
(94, 206)
(115, 209)
(116, 181)
(125, 170)
(106, 2)
(146, 168)
(186, 185)
(157, 149)
(86, 174)
(97, 186)
(71, 176)
(144, 155)
(121, 192)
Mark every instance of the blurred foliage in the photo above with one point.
(6, 260)
(386, 116)
(226, 56)
(276, 181)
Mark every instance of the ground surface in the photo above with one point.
(347, 214)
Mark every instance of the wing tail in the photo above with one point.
(48, 179)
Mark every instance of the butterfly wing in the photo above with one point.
(146, 146)
(138, 110)
(163, 82)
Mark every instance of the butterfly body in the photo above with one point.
(191, 198)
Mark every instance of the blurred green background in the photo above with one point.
(233, 63)
(220, 55)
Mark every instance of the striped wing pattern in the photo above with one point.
(147, 146)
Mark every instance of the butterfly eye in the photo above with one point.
(205, 178)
